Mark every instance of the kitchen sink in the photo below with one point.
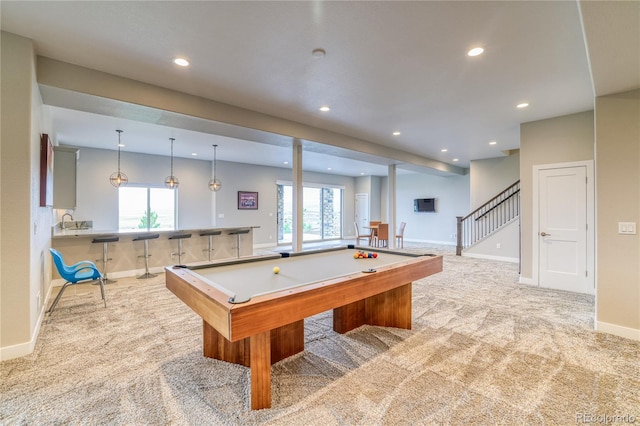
(78, 225)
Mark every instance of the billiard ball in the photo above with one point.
(276, 270)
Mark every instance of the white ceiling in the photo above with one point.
(388, 66)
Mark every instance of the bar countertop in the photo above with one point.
(58, 233)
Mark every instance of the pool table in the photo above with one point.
(254, 316)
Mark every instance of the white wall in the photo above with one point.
(452, 199)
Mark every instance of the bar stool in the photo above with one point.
(179, 237)
(105, 253)
(146, 238)
(209, 234)
(237, 233)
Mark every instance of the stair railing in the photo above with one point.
(488, 218)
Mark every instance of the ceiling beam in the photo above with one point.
(71, 86)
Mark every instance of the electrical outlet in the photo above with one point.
(498, 245)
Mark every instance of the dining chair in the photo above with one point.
(400, 235)
(73, 274)
(360, 236)
(373, 225)
(382, 236)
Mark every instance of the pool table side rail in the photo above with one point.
(276, 309)
(353, 247)
(235, 261)
(205, 300)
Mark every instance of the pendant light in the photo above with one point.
(214, 184)
(171, 181)
(118, 178)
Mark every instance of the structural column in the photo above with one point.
(296, 183)
(391, 205)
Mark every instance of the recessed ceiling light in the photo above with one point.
(181, 62)
(493, 143)
(319, 53)
(455, 160)
(396, 133)
(325, 108)
(328, 168)
(522, 105)
(361, 173)
(444, 150)
(121, 145)
(475, 51)
(285, 162)
(194, 154)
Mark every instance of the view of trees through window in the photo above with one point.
(146, 208)
(322, 213)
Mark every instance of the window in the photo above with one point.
(321, 216)
(146, 208)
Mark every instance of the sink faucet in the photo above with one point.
(62, 220)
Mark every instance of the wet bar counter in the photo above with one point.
(76, 245)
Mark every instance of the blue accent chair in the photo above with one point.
(73, 274)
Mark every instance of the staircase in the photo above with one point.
(493, 215)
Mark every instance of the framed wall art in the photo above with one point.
(247, 200)
(46, 171)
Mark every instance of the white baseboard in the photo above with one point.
(525, 280)
(618, 330)
(265, 245)
(441, 243)
(489, 257)
(59, 282)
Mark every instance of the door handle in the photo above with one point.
(544, 234)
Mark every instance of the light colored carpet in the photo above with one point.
(483, 350)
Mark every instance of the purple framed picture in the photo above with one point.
(247, 200)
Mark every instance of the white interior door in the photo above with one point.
(562, 229)
(362, 211)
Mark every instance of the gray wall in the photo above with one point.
(98, 200)
(371, 185)
(452, 199)
(247, 177)
(491, 176)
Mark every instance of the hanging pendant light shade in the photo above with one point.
(214, 184)
(171, 181)
(118, 178)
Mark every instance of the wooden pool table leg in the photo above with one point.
(260, 370)
(215, 345)
(391, 308)
(287, 340)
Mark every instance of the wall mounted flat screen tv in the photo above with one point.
(424, 205)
